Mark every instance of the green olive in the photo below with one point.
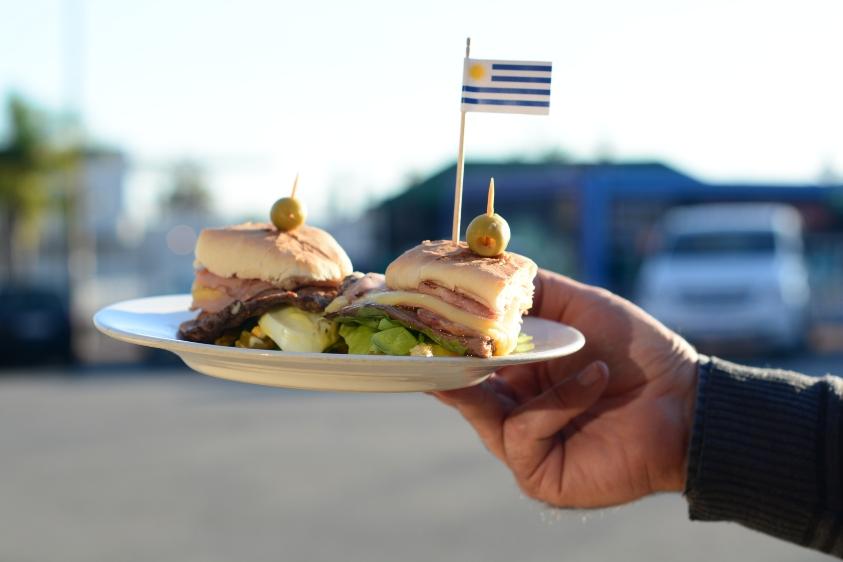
(288, 213)
(488, 235)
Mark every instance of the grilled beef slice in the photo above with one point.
(208, 326)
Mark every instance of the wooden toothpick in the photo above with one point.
(295, 185)
(490, 199)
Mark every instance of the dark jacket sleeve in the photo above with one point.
(765, 452)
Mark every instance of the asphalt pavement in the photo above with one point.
(144, 466)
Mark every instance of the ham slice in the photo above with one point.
(457, 299)
(212, 293)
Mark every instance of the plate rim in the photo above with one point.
(177, 346)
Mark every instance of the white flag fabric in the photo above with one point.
(505, 86)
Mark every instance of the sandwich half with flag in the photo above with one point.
(504, 86)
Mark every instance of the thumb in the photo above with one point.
(529, 431)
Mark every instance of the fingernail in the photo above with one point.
(590, 375)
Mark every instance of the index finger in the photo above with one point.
(485, 408)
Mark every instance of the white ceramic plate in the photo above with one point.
(154, 321)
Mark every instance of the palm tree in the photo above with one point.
(29, 159)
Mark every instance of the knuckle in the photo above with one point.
(516, 428)
(601, 293)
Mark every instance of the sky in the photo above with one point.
(360, 96)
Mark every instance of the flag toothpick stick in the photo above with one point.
(455, 231)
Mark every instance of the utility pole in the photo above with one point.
(81, 240)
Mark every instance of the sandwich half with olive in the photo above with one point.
(266, 286)
(445, 298)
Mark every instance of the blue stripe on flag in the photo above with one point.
(520, 79)
(537, 67)
(482, 90)
(525, 103)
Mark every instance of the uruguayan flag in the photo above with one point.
(505, 86)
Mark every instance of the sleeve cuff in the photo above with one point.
(765, 452)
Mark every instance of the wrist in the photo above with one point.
(679, 410)
(691, 372)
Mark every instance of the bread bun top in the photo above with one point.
(497, 282)
(303, 256)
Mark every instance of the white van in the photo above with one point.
(728, 273)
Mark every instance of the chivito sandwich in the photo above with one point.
(260, 287)
(441, 298)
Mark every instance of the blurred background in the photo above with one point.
(692, 162)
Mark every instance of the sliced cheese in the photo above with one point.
(433, 304)
(203, 293)
(503, 332)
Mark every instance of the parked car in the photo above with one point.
(730, 273)
(34, 327)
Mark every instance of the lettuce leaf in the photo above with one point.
(373, 317)
(362, 332)
(358, 338)
(395, 341)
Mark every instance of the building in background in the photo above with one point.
(89, 254)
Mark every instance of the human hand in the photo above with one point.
(604, 426)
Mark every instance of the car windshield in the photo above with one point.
(722, 243)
